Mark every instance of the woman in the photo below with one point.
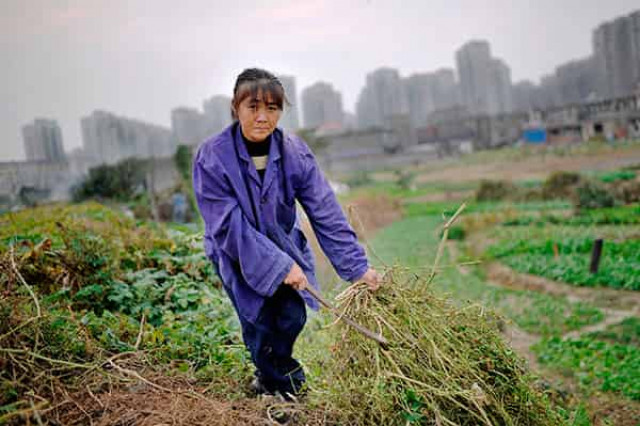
(246, 180)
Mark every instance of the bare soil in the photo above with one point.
(606, 410)
(441, 196)
(172, 401)
(538, 167)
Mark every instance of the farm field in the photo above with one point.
(105, 319)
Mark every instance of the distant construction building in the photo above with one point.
(611, 71)
(382, 98)
(189, 126)
(485, 82)
(577, 80)
(217, 114)
(43, 141)
(108, 138)
(322, 105)
(289, 120)
(616, 47)
(427, 92)
(525, 96)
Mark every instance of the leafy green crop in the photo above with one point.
(619, 263)
(609, 366)
(617, 175)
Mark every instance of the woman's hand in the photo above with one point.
(372, 278)
(296, 278)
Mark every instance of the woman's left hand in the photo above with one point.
(372, 278)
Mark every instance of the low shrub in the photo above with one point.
(592, 195)
(490, 190)
(627, 192)
(560, 185)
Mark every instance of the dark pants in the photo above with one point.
(270, 340)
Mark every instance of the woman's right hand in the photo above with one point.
(296, 278)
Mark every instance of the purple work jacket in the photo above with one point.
(252, 233)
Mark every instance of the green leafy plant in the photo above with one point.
(119, 182)
(591, 195)
(618, 267)
(495, 190)
(611, 367)
(561, 185)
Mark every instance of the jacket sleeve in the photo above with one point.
(335, 235)
(262, 264)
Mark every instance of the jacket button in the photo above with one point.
(263, 200)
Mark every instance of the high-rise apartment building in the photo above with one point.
(289, 120)
(446, 90)
(549, 91)
(43, 141)
(525, 94)
(420, 100)
(427, 92)
(189, 126)
(577, 80)
(382, 98)
(616, 47)
(485, 82)
(500, 87)
(108, 138)
(322, 105)
(217, 114)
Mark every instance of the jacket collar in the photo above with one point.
(274, 156)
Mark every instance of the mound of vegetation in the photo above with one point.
(490, 190)
(90, 297)
(592, 195)
(444, 365)
(561, 185)
(612, 188)
(119, 182)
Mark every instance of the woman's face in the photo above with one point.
(258, 117)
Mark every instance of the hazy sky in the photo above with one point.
(62, 59)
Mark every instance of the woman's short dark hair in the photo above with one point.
(252, 81)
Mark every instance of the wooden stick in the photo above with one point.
(595, 256)
(140, 333)
(365, 331)
(443, 241)
(22, 280)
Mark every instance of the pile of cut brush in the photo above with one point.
(444, 365)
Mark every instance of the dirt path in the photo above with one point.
(440, 196)
(521, 342)
(611, 300)
(616, 305)
(611, 317)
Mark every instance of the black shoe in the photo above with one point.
(257, 387)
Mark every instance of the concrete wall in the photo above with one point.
(54, 178)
